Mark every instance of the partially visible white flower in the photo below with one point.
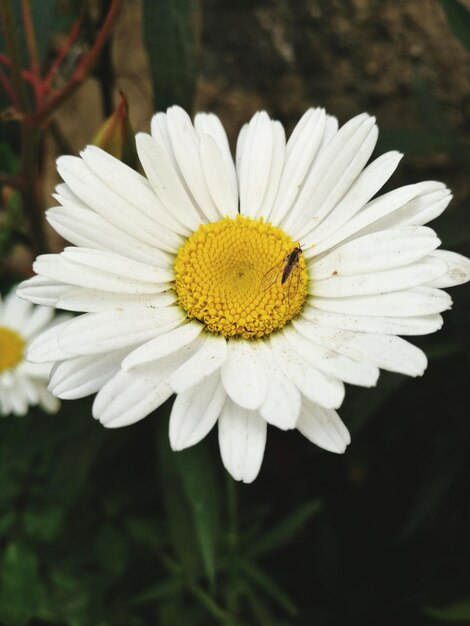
(182, 279)
(23, 384)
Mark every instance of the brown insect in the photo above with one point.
(288, 269)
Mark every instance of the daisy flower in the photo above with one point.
(23, 384)
(188, 282)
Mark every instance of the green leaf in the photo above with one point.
(146, 532)
(178, 512)
(111, 550)
(154, 594)
(455, 612)
(269, 587)
(444, 474)
(417, 141)
(260, 612)
(6, 521)
(43, 16)
(458, 17)
(67, 597)
(19, 585)
(283, 532)
(196, 470)
(9, 162)
(170, 40)
(43, 522)
(362, 404)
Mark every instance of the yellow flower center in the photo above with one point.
(240, 278)
(11, 348)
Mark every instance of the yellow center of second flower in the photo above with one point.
(229, 276)
(11, 348)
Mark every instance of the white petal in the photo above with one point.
(366, 185)
(332, 363)
(28, 388)
(208, 359)
(60, 268)
(41, 290)
(242, 439)
(375, 252)
(244, 374)
(15, 311)
(385, 351)
(37, 371)
(239, 150)
(417, 212)
(40, 317)
(81, 376)
(209, 124)
(313, 383)
(323, 427)
(281, 406)
(45, 347)
(331, 129)
(159, 129)
(277, 165)
(108, 203)
(333, 172)
(65, 196)
(95, 333)
(47, 401)
(185, 144)
(412, 302)
(130, 396)
(413, 275)
(195, 412)
(422, 325)
(130, 185)
(255, 163)
(301, 150)
(113, 263)
(217, 177)
(88, 229)
(372, 214)
(458, 269)
(166, 182)
(163, 345)
(335, 189)
(92, 300)
(19, 402)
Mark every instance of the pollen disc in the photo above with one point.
(11, 348)
(221, 274)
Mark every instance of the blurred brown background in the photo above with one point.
(349, 56)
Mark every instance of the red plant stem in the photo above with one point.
(31, 42)
(82, 70)
(10, 30)
(8, 89)
(71, 38)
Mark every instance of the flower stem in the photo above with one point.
(232, 540)
(202, 596)
(31, 138)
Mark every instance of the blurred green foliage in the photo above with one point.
(171, 39)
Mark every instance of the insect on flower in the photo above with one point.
(288, 269)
